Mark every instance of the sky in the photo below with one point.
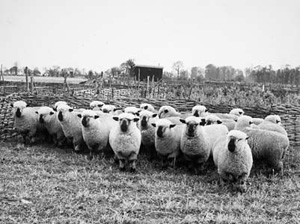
(101, 34)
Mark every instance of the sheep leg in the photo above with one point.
(132, 164)
(122, 164)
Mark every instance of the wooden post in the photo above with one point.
(26, 78)
(31, 81)
(1, 75)
(153, 87)
(148, 80)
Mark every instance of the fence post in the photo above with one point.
(1, 75)
(31, 81)
(26, 78)
(147, 91)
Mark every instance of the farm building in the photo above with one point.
(142, 71)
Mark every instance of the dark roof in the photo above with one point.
(148, 66)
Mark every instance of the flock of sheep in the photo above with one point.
(233, 140)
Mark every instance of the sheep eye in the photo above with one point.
(277, 122)
(166, 111)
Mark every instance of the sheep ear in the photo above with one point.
(12, 105)
(136, 119)
(55, 109)
(182, 121)
(154, 115)
(219, 122)
(116, 118)
(79, 115)
(71, 109)
(172, 125)
(51, 112)
(206, 110)
(146, 107)
(153, 124)
(203, 122)
(96, 116)
(137, 114)
(36, 112)
(247, 137)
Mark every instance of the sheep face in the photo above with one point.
(235, 139)
(237, 111)
(213, 119)
(108, 108)
(62, 110)
(125, 121)
(95, 104)
(18, 107)
(132, 110)
(192, 124)
(45, 114)
(274, 119)
(199, 110)
(145, 117)
(244, 121)
(166, 111)
(163, 127)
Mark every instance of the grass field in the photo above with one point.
(44, 184)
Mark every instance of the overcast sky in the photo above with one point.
(100, 34)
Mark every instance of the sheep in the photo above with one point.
(132, 110)
(58, 103)
(108, 108)
(167, 140)
(96, 105)
(233, 158)
(237, 111)
(197, 140)
(274, 119)
(26, 121)
(71, 125)
(125, 140)
(167, 111)
(147, 106)
(48, 117)
(95, 128)
(214, 119)
(268, 147)
(199, 111)
(148, 131)
(273, 123)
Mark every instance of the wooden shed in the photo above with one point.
(142, 71)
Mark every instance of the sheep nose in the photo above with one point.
(124, 126)
(18, 112)
(84, 122)
(41, 119)
(231, 145)
(196, 114)
(144, 122)
(60, 116)
(159, 132)
(191, 130)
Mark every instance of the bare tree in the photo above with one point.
(178, 66)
